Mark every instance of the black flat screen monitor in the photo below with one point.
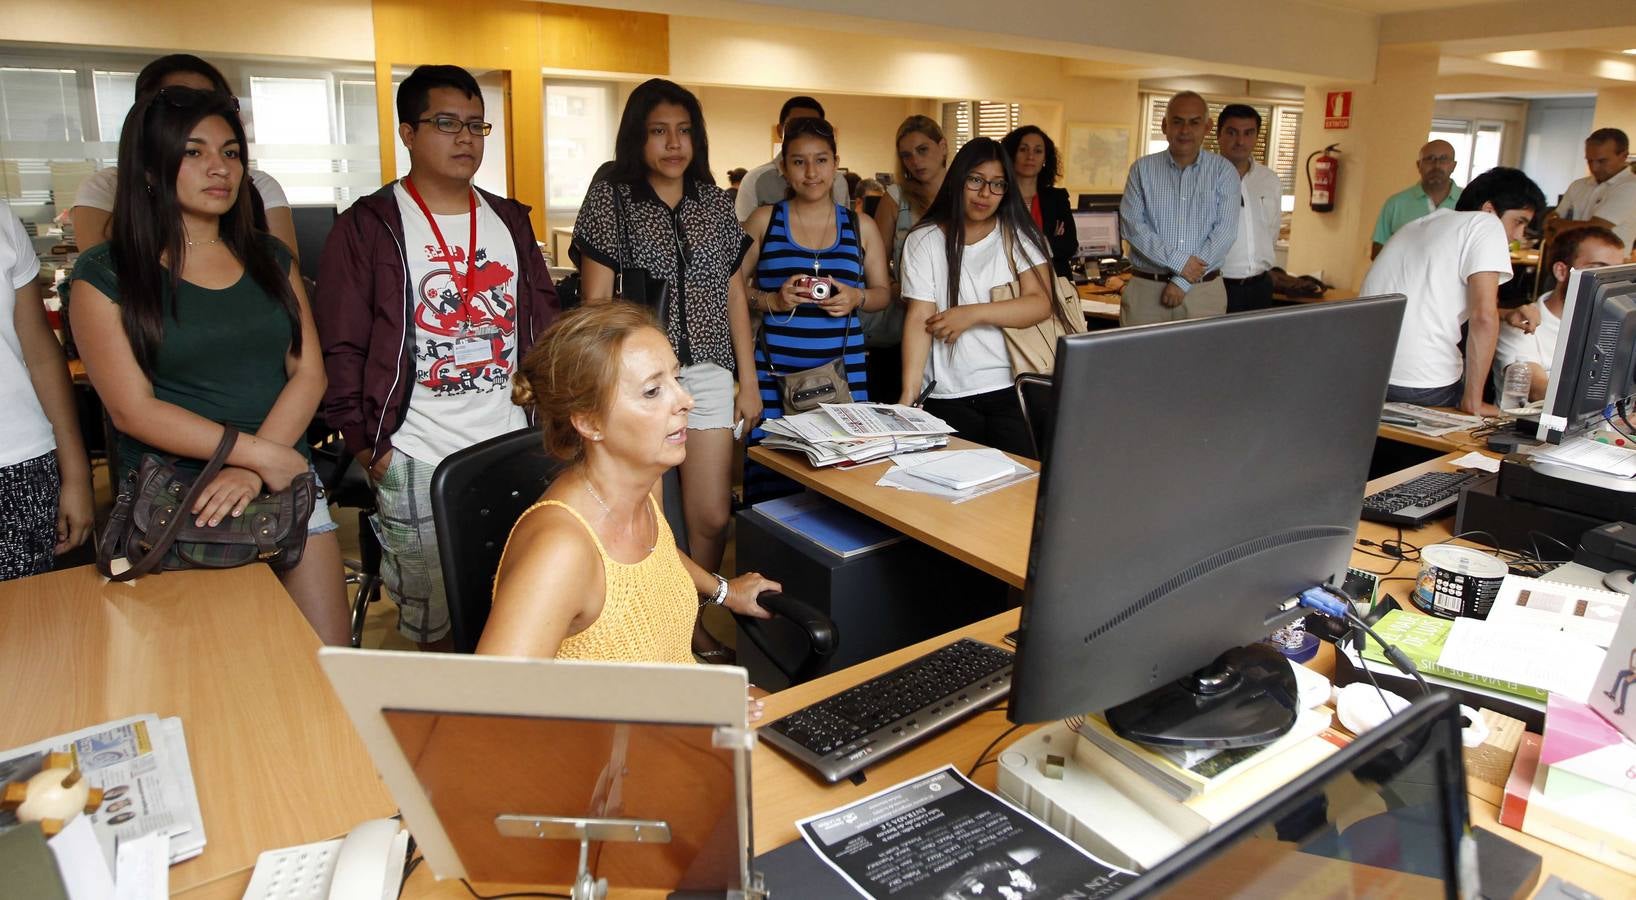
(1200, 474)
(1384, 817)
(1098, 232)
(312, 227)
(1594, 366)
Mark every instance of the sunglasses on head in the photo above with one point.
(181, 97)
(809, 126)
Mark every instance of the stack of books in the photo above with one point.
(852, 433)
(1583, 795)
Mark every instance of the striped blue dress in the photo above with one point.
(807, 336)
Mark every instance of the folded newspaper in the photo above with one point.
(142, 766)
(856, 432)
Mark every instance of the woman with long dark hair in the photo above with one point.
(189, 319)
(1034, 162)
(800, 242)
(659, 210)
(976, 236)
(94, 202)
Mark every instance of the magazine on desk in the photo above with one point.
(941, 836)
(141, 765)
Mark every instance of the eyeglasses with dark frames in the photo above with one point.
(975, 183)
(452, 125)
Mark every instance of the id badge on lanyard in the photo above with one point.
(474, 345)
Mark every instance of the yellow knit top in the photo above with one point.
(648, 608)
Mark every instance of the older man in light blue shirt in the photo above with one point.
(1180, 215)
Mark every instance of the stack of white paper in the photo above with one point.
(980, 471)
(856, 432)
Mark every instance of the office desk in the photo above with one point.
(989, 532)
(275, 759)
(1458, 440)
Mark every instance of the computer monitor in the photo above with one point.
(1098, 232)
(1099, 201)
(1593, 368)
(1201, 474)
(312, 227)
(1385, 817)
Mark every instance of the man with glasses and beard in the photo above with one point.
(429, 292)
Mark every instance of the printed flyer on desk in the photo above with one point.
(941, 836)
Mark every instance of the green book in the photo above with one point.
(1421, 638)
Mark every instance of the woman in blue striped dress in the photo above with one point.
(795, 243)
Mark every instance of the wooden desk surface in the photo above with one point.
(989, 532)
(274, 758)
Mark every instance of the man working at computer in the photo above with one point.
(1590, 247)
(1450, 265)
(1180, 215)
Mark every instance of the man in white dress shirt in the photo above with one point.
(1246, 272)
(1605, 197)
(764, 184)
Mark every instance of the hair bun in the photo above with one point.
(522, 393)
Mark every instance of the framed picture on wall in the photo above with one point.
(1097, 156)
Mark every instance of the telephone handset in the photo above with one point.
(365, 865)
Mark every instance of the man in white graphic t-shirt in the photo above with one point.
(429, 293)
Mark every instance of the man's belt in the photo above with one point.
(1211, 275)
(1235, 282)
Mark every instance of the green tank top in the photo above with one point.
(222, 356)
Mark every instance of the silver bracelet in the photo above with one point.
(720, 596)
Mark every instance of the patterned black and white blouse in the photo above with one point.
(696, 248)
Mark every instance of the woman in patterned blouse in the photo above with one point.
(659, 210)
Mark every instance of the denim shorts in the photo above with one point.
(320, 522)
(712, 389)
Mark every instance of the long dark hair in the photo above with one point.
(629, 166)
(948, 209)
(147, 220)
(1048, 172)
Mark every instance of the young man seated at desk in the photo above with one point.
(1450, 265)
(1590, 247)
(591, 571)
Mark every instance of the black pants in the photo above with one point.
(885, 367)
(993, 419)
(1245, 294)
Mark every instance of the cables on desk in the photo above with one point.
(981, 761)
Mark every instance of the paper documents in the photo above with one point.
(1591, 455)
(1433, 421)
(141, 764)
(1549, 660)
(903, 475)
(940, 836)
(856, 432)
(1554, 606)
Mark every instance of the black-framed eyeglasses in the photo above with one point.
(975, 183)
(452, 125)
(183, 97)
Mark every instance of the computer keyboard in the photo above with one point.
(839, 735)
(1418, 500)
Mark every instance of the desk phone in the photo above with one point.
(365, 865)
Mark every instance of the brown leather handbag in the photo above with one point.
(152, 526)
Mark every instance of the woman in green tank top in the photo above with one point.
(189, 319)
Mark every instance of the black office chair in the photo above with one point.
(1034, 396)
(477, 496)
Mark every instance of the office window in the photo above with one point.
(579, 127)
(291, 117)
(1476, 144)
(39, 128)
(114, 93)
(967, 119)
(360, 136)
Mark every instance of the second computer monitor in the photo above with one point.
(1098, 232)
(1201, 474)
(1593, 367)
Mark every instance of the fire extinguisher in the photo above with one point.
(1323, 179)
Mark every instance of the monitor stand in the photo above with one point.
(1246, 698)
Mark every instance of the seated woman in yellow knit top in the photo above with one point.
(591, 571)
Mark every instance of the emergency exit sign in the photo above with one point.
(1338, 110)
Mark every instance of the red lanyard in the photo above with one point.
(471, 245)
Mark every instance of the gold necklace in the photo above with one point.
(600, 502)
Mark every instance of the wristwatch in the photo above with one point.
(720, 596)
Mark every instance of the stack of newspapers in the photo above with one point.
(141, 765)
(851, 433)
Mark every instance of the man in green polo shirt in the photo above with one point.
(1436, 190)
